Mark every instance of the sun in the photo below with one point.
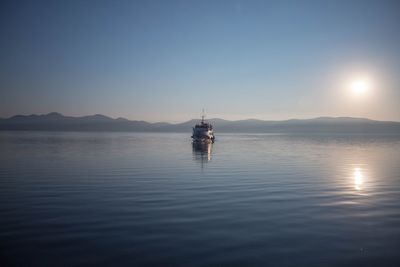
(359, 87)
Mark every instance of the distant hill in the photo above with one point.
(58, 122)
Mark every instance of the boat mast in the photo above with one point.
(202, 116)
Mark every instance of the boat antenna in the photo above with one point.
(202, 116)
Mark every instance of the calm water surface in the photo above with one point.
(138, 199)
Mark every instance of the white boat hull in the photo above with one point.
(202, 134)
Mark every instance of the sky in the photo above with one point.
(166, 60)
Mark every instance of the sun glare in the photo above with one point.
(359, 87)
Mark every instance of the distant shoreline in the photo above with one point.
(100, 123)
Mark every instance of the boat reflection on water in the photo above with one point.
(202, 151)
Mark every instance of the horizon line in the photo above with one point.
(264, 120)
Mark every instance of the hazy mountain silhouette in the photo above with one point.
(57, 122)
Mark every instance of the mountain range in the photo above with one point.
(57, 122)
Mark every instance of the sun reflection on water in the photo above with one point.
(358, 178)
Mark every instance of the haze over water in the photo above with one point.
(138, 199)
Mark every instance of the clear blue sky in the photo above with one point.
(166, 60)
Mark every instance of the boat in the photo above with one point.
(203, 131)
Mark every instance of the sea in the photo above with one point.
(157, 199)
